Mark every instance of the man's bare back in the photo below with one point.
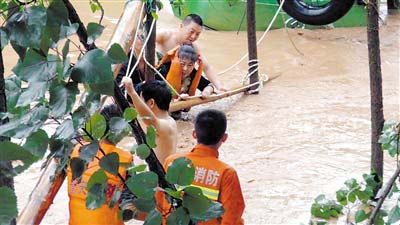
(153, 107)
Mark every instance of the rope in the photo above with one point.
(175, 92)
(253, 69)
(259, 41)
(143, 47)
(134, 42)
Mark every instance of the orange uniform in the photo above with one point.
(174, 74)
(77, 192)
(218, 181)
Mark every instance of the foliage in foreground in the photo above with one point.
(359, 196)
(45, 112)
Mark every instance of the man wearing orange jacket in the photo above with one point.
(218, 181)
(77, 192)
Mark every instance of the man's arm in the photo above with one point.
(140, 105)
(209, 71)
(231, 198)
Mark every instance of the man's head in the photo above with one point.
(155, 93)
(110, 111)
(210, 127)
(191, 27)
(187, 59)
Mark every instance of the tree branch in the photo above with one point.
(383, 197)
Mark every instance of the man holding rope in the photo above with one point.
(187, 32)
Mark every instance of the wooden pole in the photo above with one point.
(43, 194)
(197, 100)
(151, 44)
(252, 43)
(375, 75)
(5, 167)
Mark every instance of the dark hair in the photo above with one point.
(186, 51)
(110, 111)
(210, 126)
(192, 18)
(157, 90)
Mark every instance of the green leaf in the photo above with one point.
(78, 166)
(94, 30)
(119, 129)
(96, 196)
(88, 152)
(10, 151)
(26, 125)
(143, 184)
(115, 198)
(175, 194)
(65, 49)
(62, 97)
(94, 68)
(130, 114)
(195, 201)
(138, 168)
(96, 186)
(57, 15)
(110, 163)
(151, 136)
(98, 177)
(67, 31)
(26, 27)
(154, 15)
(35, 91)
(60, 148)
(181, 172)
(143, 151)
(94, 6)
(79, 117)
(117, 54)
(65, 131)
(37, 143)
(8, 206)
(341, 196)
(394, 215)
(144, 205)
(96, 126)
(360, 216)
(91, 101)
(153, 218)
(178, 217)
(214, 210)
(3, 38)
(35, 67)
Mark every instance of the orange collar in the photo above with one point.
(204, 150)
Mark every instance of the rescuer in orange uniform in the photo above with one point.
(77, 191)
(218, 181)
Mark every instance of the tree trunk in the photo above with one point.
(252, 43)
(151, 44)
(375, 76)
(393, 4)
(5, 167)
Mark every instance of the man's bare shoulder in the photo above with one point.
(167, 125)
(163, 34)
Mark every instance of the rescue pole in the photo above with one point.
(46, 189)
(252, 45)
(43, 194)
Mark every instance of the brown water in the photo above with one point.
(305, 133)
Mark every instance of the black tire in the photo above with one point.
(317, 15)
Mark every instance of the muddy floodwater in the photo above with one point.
(304, 134)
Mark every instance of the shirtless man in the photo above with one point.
(188, 32)
(153, 105)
